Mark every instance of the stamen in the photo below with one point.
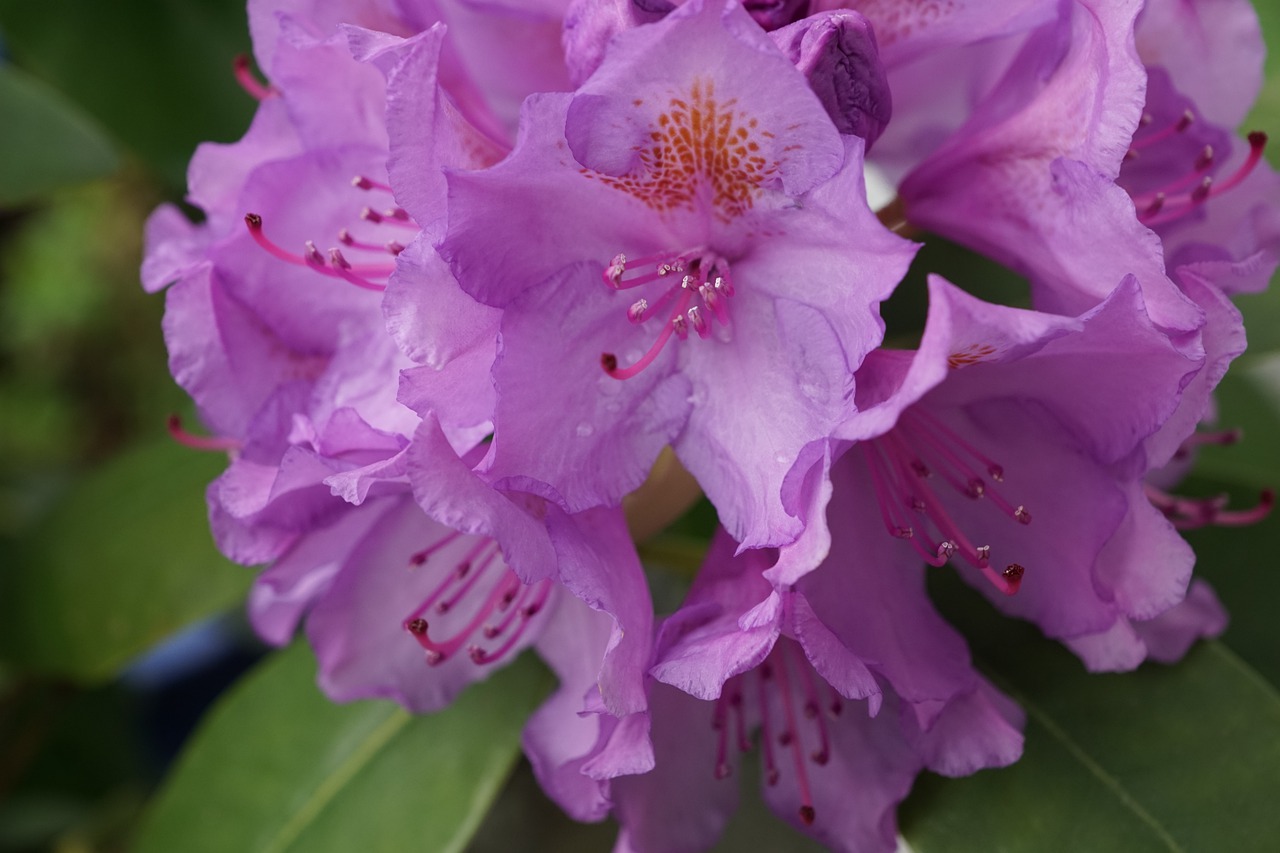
(1206, 188)
(392, 247)
(244, 76)
(1191, 513)
(420, 557)
(525, 613)
(807, 813)
(338, 267)
(199, 442)
(900, 474)
(704, 277)
(1183, 122)
(771, 774)
(361, 182)
(1221, 438)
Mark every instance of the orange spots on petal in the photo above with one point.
(972, 354)
(699, 150)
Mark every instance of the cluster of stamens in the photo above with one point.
(695, 284)
(1184, 194)
(778, 684)
(482, 598)
(334, 262)
(1189, 513)
(903, 463)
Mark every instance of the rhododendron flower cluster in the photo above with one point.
(476, 266)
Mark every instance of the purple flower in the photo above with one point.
(414, 607)
(702, 236)
(413, 576)
(793, 666)
(1013, 445)
(1208, 195)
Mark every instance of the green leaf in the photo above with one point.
(1183, 758)
(277, 767)
(47, 143)
(124, 560)
(155, 73)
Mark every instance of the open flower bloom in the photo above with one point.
(1012, 445)
(1207, 194)
(413, 596)
(1105, 170)
(703, 271)
(1067, 180)
(414, 577)
(845, 703)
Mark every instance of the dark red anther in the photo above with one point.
(417, 627)
(808, 815)
(1013, 574)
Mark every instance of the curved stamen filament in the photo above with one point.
(525, 613)
(703, 276)
(900, 477)
(791, 738)
(1159, 209)
(610, 362)
(199, 442)
(337, 267)
(780, 724)
(244, 76)
(1190, 513)
(1155, 137)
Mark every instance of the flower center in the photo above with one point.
(334, 263)
(478, 599)
(1184, 194)
(691, 289)
(780, 685)
(903, 463)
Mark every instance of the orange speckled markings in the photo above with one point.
(700, 150)
(971, 354)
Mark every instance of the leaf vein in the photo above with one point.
(336, 781)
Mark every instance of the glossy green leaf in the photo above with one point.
(47, 143)
(155, 73)
(123, 560)
(277, 768)
(1183, 758)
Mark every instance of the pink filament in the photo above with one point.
(1191, 513)
(198, 442)
(251, 85)
(336, 268)
(1160, 209)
